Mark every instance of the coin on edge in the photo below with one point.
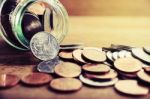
(97, 83)
(128, 65)
(65, 54)
(8, 80)
(96, 68)
(67, 69)
(94, 55)
(144, 76)
(66, 84)
(44, 46)
(131, 87)
(36, 79)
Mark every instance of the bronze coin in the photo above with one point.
(110, 75)
(67, 69)
(143, 76)
(66, 84)
(66, 54)
(8, 80)
(131, 87)
(96, 68)
(94, 55)
(147, 69)
(128, 65)
(77, 55)
(36, 79)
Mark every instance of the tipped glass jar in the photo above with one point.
(21, 19)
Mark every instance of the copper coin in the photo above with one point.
(66, 54)
(110, 75)
(66, 84)
(131, 87)
(8, 80)
(144, 76)
(128, 65)
(36, 79)
(96, 68)
(94, 55)
(77, 55)
(147, 69)
(67, 69)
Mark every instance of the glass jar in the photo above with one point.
(21, 19)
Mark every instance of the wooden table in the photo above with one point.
(93, 31)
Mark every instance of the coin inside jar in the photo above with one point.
(66, 84)
(8, 80)
(67, 69)
(36, 79)
(94, 55)
(131, 87)
(128, 65)
(96, 68)
(66, 54)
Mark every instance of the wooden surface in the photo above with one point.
(107, 7)
(93, 31)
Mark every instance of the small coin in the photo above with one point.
(48, 66)
(147, 49)
(77, 55)
(147, 69)
(122, 54)
(128, 65)
(66, 55)
(97, 83)
(8, 80)
(36, 79)
(140, 54)
(94, 55)
(109, 56)
(115, 55)
(110, 75)
(144, 76)
(96, 68)
(67, 69)
(131, 87)
(44, 46)
(66, 84)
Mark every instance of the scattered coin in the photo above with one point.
(77, 55)
(48, 66)
(44, 46)
(110, 56)
(66, 55)
(131, 87)
(36, 79)
(128, 65)
(110, 75)
(147, 69)
(147, 49)
(115, 55)
(97, 83)
(67, 69)
(94, 55)
(66, 84)
(140, 54)
(96, 68)
(8, 80)
(144, 76)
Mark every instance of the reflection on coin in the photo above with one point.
(94, 55)
(97, 83)
(109, 56)
(147, 49)
(140, 54)
(131, 87)
(144, 76)
(77, 55)
(67, 69)
(115, 55)
(128, 65)
(66, 84)
(96, 68)
(147, 69)
(110, 75)
(36, 79)
(48, 66)
(44, 46)
(8, 80)
(66, 54)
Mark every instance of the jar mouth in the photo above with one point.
(55, 20)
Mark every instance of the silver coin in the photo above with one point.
(115, 55)
(44, 46)
(110, 56)
(48, 66)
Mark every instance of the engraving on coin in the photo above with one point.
(44, 46)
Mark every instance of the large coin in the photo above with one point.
(44, 46)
